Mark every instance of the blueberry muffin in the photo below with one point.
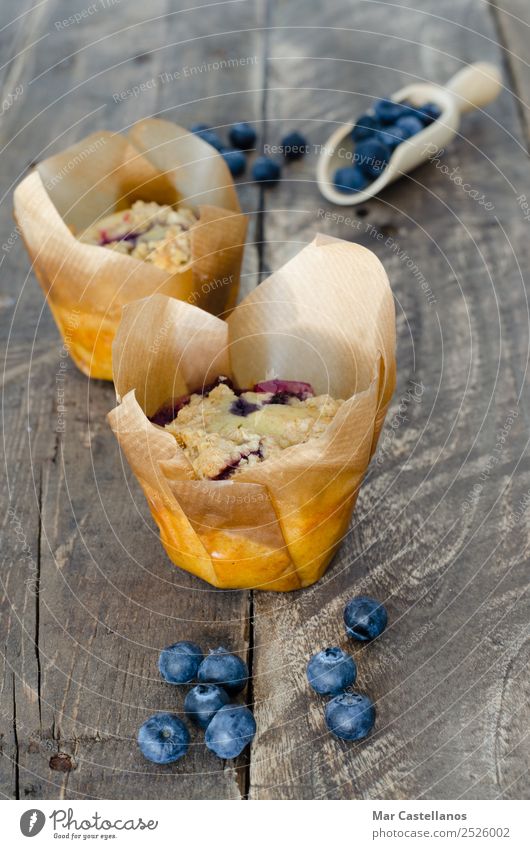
(148, 231)
(223, 432)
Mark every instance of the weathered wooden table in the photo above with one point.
(441, 528)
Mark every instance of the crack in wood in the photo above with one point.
(507, 61)
(36, 639)
(15, 739)
(261, 211)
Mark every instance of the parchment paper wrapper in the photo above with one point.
(326, 317)
(86, 285)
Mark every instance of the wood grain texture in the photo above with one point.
(512, 18)
(88, 606)
(446, 676)
(441, 528)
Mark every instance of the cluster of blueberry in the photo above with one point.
(164, 738)
(376, 135)
(330, 672)
(242, 137)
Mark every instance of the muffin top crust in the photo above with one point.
(148, 231)
(223, 432)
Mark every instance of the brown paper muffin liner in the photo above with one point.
(327, 318)
(86, 285)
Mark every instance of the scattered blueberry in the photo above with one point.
(429, 112)
(372, 157)
(199, 128)
(232, 728)
(388, 111)
(179, 663)
(224, 668)
(203, 701)
(350, 716)
(294, 145)
(235, 160)
(211, 137)
(349, 179)
(163, 738)
(410, 124)
(366, 126)
(364, 618)
(266, 171)
(331, 671)
(242, 136)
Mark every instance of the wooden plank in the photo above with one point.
(513, 25)
(91, 601)
(87, 597)
(446, 676)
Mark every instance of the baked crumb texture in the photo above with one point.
(223, 432)
(147, 231)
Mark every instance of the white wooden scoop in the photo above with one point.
(471, 88)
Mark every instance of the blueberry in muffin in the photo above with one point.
(148, 231)
(223, 431)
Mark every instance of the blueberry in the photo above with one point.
(179, 663)
(224, 668)
(388, 111)
(429, 112)
(331, 671)
(242, 136)
(410, 124)
(349, 179)
(372, 157)
(235, 160)
(203, 701)
(211, 137)
(199, 128)
(243, 408)
(163, 738)
(392, 136)
(366, 126)
(364, 618)
(350, 716)
(294, 145)
(266, 170)
(232, 728)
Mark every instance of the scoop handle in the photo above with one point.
(475, 86)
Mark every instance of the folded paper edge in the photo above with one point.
(383, 374)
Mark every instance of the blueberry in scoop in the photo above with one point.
(410, 124)
(366, 126)
(387, 111)
(392, 136)
(372, 157)
(349, 179)
(429, 112)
